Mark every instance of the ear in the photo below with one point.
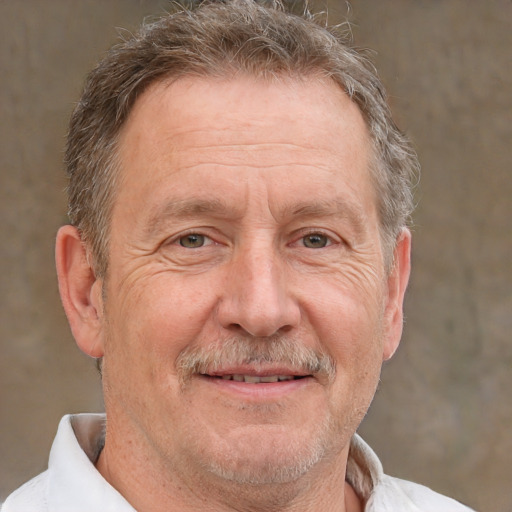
(80, 291)
(397, 281)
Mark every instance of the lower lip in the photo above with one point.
(261, 390)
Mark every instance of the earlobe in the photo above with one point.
(80, 291)
(398, 279)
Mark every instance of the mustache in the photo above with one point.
(279, 351)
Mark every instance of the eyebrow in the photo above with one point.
(191, 207)
(186, 208)
(338, 207)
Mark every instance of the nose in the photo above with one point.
(257, 298)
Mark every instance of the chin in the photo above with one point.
(262, 458)
(272, 470)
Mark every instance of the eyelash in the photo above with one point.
(331, 240)
(198, 233)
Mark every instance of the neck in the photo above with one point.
(147, 487)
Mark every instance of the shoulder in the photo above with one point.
(30, 497)
(412, 496)
(384, 493)
(63, 485)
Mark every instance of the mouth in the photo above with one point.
(256, 379)
(257, 385)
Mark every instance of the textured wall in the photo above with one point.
(442, 415)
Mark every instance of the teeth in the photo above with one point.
(254, 379)
(269, 378)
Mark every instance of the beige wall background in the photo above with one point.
(443, 413)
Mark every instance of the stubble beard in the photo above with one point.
(287, 457)
(280, 467)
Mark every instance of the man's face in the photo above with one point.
(245, 265)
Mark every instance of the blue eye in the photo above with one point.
(315, 241)
(192, 241)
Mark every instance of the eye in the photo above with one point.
(316, 241)
(194, 240)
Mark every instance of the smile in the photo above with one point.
(253, 386)
(255, 379)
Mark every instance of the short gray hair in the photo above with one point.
(222, 39)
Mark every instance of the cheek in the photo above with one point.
(146, 331)
(349, 323)
(346, 311)
(158, 316)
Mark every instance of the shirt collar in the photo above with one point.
(74, 482)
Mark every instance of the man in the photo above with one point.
(237, 261)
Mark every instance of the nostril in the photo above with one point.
(258, 314)
(259, 331)
(236, 327)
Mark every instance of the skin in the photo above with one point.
(268, 185)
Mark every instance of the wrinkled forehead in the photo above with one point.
(207, 127)
(311, 111)
(286, 146)
(296, 137)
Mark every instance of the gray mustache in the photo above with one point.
(281, 351)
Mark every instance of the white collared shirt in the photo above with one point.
(72, 483)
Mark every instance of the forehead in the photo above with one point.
(309, 106)
(207, 132)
